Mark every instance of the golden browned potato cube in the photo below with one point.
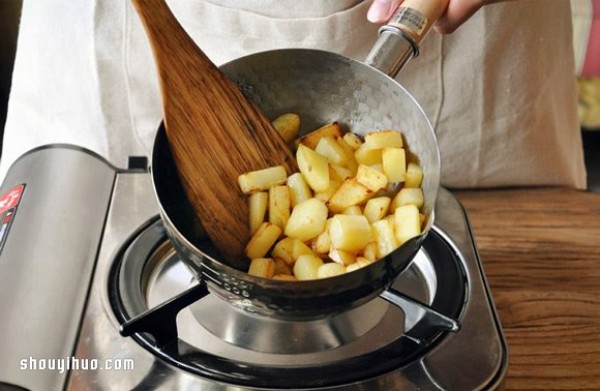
(307, 267)
(385, 237)
(408, 196)
(342, 257)
(350, 160)
(299, 189)
(414, 175)
(257, 209)
(329, 192)
(281, 267)
(407, 223)
(352, 140)
(376, 208)
(352, 210)
(368, 156)
(360, 263)
(284, 250)
(384, 139)
(370, 252)
(349, 232)
(279, 205)
(321, 244)
(262, 267)
(350, 193)
(263, 239)
(301, 248)
(330, 269)
(314, 167)
(339, 173)
(312, 139)
(371, 178)
(332, 150)
(288, 126)
(307, 220)
(378, 167)
(261, 180)
(285, 277)
(394, 164)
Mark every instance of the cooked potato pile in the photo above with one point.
(353, 202)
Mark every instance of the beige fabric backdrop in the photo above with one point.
(499, 91)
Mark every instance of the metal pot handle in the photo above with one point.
(417, 312)
(400, 38)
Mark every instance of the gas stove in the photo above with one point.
(95, 297)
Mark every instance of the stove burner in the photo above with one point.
(215, 340)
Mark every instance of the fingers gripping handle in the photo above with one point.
(415, 18)
(400, 38)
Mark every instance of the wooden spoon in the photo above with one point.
(214, 132)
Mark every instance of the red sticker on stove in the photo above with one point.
(9, 202)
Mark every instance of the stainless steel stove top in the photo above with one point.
(85, 226)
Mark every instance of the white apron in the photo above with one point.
(499, 91)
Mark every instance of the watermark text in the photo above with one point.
(67, 364)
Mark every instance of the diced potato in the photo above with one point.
(384, 237)
(350, 160)
(371, 178)
(279, 205)
(352, 210)
(414, 175)
(281, 267)
(408, 196)
(394, 164)
(257, 209)
(360, 263)
(368, 156)
(339, 173)
(262, 267)
(289, 249)
(349, 232)
(370, 252)
(312, 139)
(284, 250)
(407, 223)
(284, 277)
(307, 267)
(378, 167)
(322, 243)
(342, 257)
(261, 180)
(330, 269)
(314, 167)
(299, 189)
(352, 140)
(377, 208)
(350, 193)
(332, 150)
(329, 192)
(301, 248)
(263, 239)
(384, 139)
(307, 220)
(288, 126)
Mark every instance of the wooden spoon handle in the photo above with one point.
(170, 43)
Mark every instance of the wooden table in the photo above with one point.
(540, 249)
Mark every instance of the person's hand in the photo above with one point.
(457, 13)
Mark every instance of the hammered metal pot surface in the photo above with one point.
(321, 87)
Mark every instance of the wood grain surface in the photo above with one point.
(540, 249)
(214, 132)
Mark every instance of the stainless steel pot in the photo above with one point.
(322, 87)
